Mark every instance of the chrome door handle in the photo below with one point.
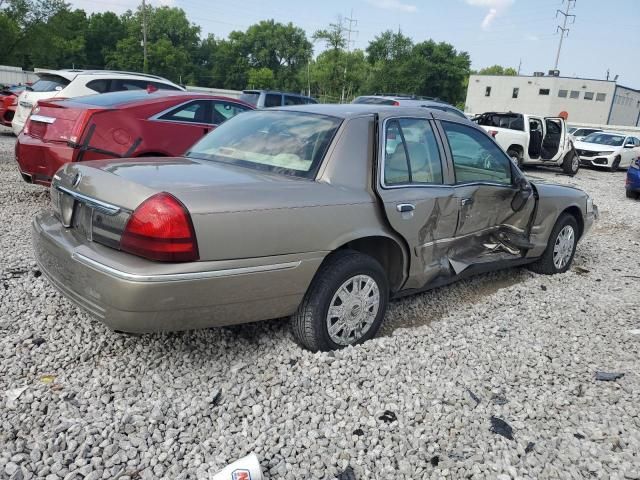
(405, 207)
(466, 201)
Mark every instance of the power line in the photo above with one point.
(564, 31)
(352, 21)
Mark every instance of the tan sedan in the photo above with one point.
(319, 212)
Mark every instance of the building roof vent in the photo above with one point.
(554, 73)
(538, 74)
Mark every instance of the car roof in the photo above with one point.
(71, 74)
(279, 92)
(133, 98)
(352, 110)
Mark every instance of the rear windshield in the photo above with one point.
(374, 101)
(49, 83)
(114, 98)
(501, 120)
(284, 142)
(250, 97)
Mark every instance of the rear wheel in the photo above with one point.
(516, 156)
(345, 304)
(561, 247)
(631, 194)
(571, 163)
(615, 165)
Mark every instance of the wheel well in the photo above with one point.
(387, 252)
(516, 147)
(577, 214)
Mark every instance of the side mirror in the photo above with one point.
(522, 195)
(629, 145)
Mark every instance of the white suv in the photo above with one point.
(77, 83)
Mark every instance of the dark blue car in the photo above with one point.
(633, 179)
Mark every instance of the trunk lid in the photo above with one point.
(58, 121)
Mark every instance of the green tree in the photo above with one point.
(104, 31)
(498, 70)
(262, 78)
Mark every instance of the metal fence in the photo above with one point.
(15, 76)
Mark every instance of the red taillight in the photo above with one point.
(80, 124)
(14, 101)
(161, 229)
(493, 133)
(396, 104)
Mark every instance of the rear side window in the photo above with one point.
(273, 100)
(118, 85)
(49, 83)
(100, 86)
(476, 158)
(411, 153)
(197, 111)
(223, 111)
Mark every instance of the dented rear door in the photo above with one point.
(414, 184)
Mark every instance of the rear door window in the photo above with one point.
(273, 100)
(476, 158)
(223, 111)
(411, 153)
(293, 100)
(49, 83)
(118, 85)
(197, 111)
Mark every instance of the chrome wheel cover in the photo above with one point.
(353, 309)
(563, 248)
(575, 163)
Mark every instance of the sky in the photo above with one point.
(605, 35)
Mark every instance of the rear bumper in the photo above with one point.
(131, 294)
(39, 161)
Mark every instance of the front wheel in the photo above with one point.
(615, 165)
(571, 163)
(561, 247)
(516, 157)
(632, 195)
(345, 304)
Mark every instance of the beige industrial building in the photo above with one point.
(585, 100)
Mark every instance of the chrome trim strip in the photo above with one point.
(178, 277)
(104, 207)
(42, 119)
(467, 235)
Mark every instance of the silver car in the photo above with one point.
(318, 212)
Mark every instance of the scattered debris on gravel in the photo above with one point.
(185, 405)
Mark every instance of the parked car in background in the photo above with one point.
(408, 101)
(8, 103)
(531, 139)
(77, 83)
(119, 124)
(608, 149)
(269, 98)
(632, 184)
(321, 212)
(578, 133)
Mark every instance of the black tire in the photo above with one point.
(310, 322)
(571, 163)
(515, 156)
(615, 165)
(632, 195)
(545, 264)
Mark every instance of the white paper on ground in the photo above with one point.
(247, 468)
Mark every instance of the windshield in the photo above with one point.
(49, 83)
(604, 139)
(250, 97)
(288, 143)
(572, 129)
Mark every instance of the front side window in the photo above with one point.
(273, 100)
(283, 142)
(411, 153)
(292, 100)
(476, 158)
(223, 111)
(192, 112)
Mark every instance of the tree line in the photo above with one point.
(269, 54)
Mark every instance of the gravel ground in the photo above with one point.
(415, 403)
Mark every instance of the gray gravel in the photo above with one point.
(415, 403)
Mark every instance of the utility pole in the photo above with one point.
(352, 21)
(145, 63)
(564, 31)
(519, 65)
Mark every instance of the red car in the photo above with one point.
(120, 124)
(8, 103)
